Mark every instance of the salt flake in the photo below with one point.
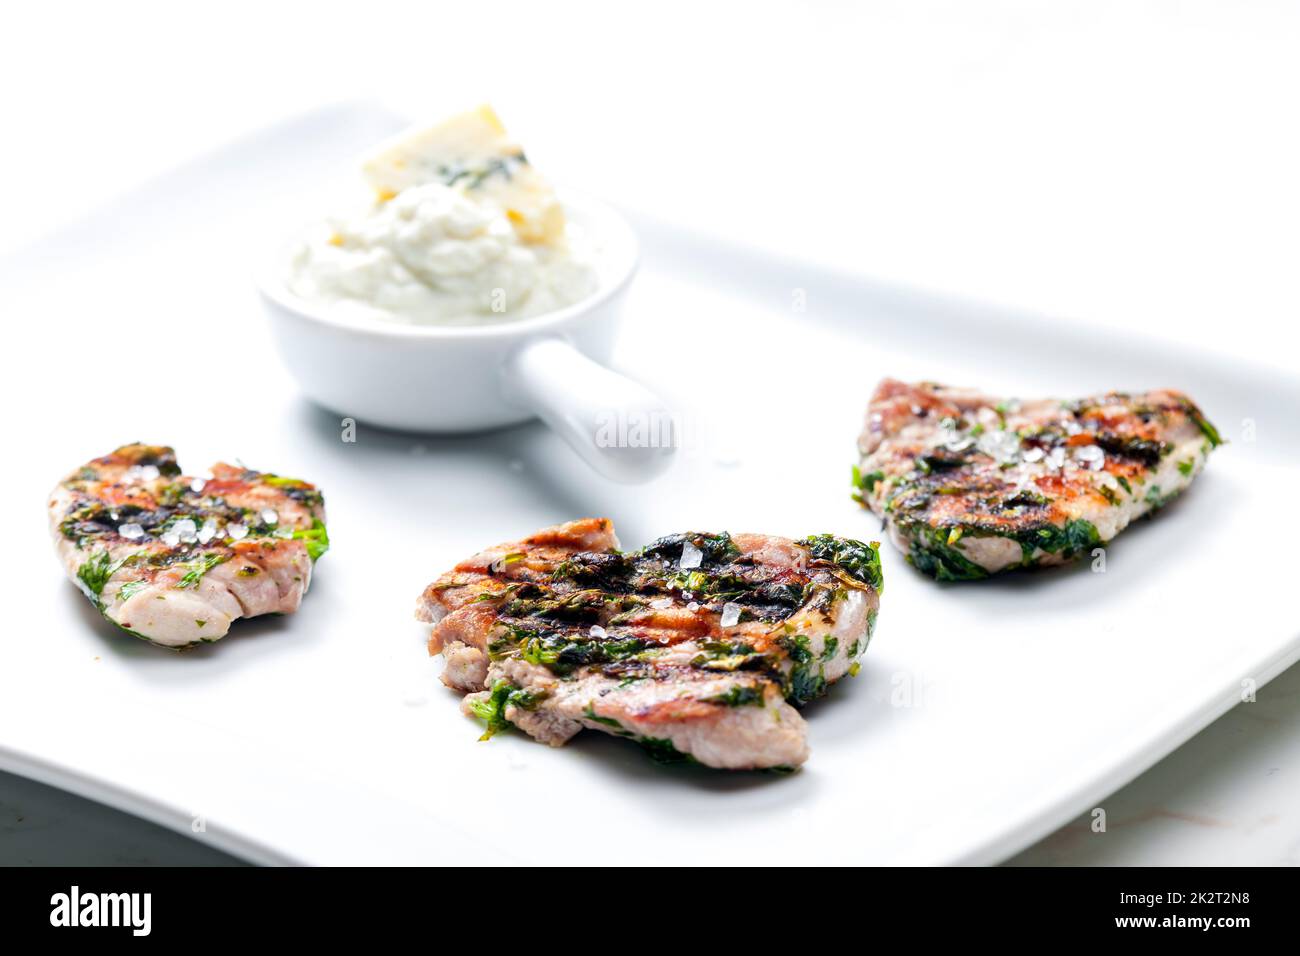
(730, 615)
(1000, 445)
(1091, 456)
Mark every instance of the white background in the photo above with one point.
(1124, 163)
(1127, 165)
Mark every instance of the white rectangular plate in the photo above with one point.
(984, 715)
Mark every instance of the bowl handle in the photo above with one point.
(619, 427)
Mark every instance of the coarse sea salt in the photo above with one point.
(1000, 445)
(236, 531)
(692, 557)
(661, 603)
(1092, 456)
(186, 530)
(598, 632)
(269, 516)
(197, 485)
(952, 439)
(208, 531)
(730, 615)
(1032, 455)
(131, 531)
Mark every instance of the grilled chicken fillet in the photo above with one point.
(695, 646)
(970, 485)
(174, 559)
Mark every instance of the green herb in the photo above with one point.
(492, 708)
(199, 567)
(692, 582)
(95, 572)
(931, 554)
(315, 537)
(739, 695)
(859, 560)
(590, 713)
(727, 656)
(868, 481)
(131, 587)
(662, 750)
(1186, 466)
(715, 548)
(1075, 536)
(806, 681)
(563, 654)
(1203, 423)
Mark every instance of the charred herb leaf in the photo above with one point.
(859, 560)
(492, 709)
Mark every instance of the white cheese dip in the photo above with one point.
(432, 255)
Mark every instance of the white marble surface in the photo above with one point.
(1226, 797)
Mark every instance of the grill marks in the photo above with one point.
(633, 643)
(970, 485)
(174, 560)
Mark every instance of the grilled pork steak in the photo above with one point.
(173, 559)
(970, 485)
(695, 646)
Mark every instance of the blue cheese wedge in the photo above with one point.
(473, 154)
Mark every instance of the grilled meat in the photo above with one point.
(695, 646)
(173, 559)
(970, 485)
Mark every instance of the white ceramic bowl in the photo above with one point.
(470, 378)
